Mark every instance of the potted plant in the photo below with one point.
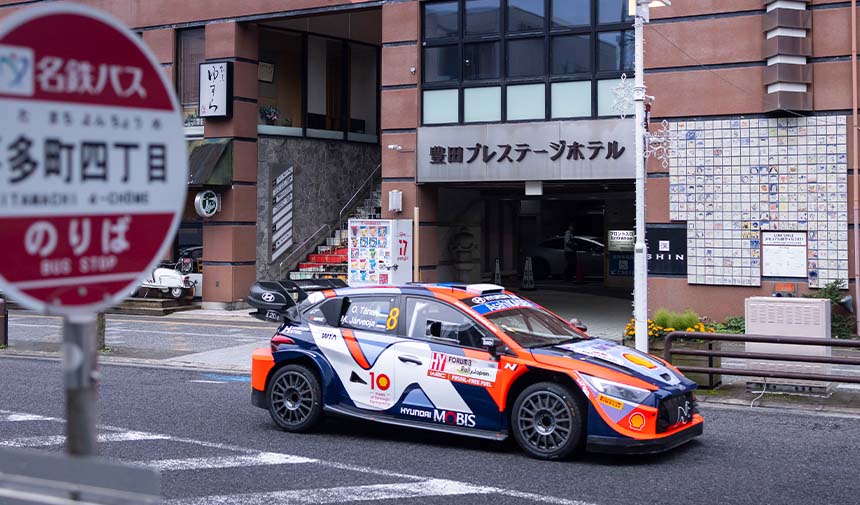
(665, 322)
(269, 114)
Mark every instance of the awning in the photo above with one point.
(210, 162)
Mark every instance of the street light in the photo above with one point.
(640, 9)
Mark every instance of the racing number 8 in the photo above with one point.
(391, 322)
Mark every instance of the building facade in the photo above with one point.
(500, 122)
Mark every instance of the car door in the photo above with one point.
(359, 349)
(442, 368)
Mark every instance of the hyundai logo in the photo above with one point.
(268, 297)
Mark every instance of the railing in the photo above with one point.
(361, 191)
(304, 248)
(668, 351)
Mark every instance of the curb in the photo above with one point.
(132, 362)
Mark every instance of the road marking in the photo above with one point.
(419, 486)
(261, 459)
(228, 378)
(11, 417)
(153, 332)
(208, 382)
(45, 441)
(157, 321)
(375, 492)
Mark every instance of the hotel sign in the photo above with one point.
(561, 150)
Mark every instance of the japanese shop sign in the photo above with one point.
(621, 240)
(93, 164)
(216, 89)
(561, 150)
(667, 249)
(282, 213)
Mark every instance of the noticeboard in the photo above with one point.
(783, 254)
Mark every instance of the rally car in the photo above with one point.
(467, 359)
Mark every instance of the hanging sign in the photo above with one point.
(216, 89)
(207, 203)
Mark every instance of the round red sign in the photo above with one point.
(93, 164)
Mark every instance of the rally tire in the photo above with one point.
(295, 399)
(548, 421)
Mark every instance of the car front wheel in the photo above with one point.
(548, 421)
(295, 398)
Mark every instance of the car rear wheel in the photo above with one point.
(548, 421)
(295, 398)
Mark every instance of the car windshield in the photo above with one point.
(531, 327)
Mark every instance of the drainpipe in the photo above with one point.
(854, 163)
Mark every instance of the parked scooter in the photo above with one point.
(171, 279)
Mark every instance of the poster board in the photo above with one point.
(784, 254)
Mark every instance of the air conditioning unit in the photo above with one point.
(788, 317)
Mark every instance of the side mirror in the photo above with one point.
(497, 349)
(579, 325)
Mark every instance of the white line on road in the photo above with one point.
(261, 459)
(10, 417)
(208, 382)
(427, 488)
(45, 441)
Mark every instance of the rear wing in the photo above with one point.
(277, 301)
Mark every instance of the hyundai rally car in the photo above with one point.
(473, 360)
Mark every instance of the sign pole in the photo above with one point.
(80, 360)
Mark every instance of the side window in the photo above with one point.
(432, 320)
(372, 313)
(315, 314)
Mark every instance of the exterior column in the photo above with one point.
(787, 46)
(229, 237)
(400, 110)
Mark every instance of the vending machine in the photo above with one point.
(380, 252)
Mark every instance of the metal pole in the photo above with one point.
(79, 376)
(855, 193)
(416, 253)
(640, 265)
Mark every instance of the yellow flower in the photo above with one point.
(689, 329)
(668, 329)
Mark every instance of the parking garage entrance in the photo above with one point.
(577, 234)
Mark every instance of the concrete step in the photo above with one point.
(151, 306)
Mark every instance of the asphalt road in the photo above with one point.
(173, 420)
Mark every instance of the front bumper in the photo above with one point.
(616, 445)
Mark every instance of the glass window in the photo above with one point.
(605, 97)
(480, 61)
(524, 15)
(368, 313)
(482, 17)
(190, 54)
(567, 13)
(534, 327)
(326, 76)
(441, 106)
(615, 50)
(441, 64)
(432, 320)
(440, 20)
(525, 58)
(527, 101)
(571, 54)
(613, 11)
(279, 79)
(482, 104)
(362, 92)
(571, 99)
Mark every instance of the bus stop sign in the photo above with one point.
(93, 164)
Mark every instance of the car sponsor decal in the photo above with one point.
(440, 416)
(615, 404)
(637, 421)
(354, 350)
(487, 304)
(463, 370)
(624, 357)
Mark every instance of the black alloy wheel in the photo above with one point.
(295, 398)
(548, 421)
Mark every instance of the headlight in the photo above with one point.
(616, 390)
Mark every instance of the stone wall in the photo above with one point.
(326, 175)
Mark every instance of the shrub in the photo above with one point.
(662, 317)
(733, 324)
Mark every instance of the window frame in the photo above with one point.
(485, 332)
(548, 32)
(347, 82)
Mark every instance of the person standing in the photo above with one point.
(569, 254)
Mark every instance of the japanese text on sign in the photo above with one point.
(571, 151)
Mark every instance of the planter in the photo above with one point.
(704, 380)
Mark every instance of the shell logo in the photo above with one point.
(639, 360)
(637, 421)
(383, 382)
